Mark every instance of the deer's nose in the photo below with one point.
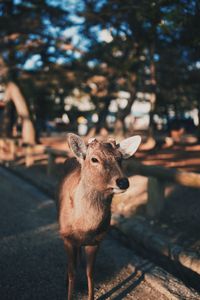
(122, 183)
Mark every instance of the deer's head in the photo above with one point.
(101, 162)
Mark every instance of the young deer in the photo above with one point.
(85, 197)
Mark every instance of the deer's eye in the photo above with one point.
(94, 160)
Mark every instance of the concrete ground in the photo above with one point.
(32, 258)
(33, 261)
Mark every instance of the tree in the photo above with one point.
(134, 46)
(148, 47)
(33, 44)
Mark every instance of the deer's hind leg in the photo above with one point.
(72, 251)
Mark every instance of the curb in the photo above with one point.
(138, 229)
(168, 285)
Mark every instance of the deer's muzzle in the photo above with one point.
(122, 183)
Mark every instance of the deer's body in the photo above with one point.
(85, 197)
(84, 212)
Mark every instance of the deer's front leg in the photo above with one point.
(90, 252)
(72, 259)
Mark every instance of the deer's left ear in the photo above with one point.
(129, 146)
(77, 145)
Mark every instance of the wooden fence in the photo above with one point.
(157, 178)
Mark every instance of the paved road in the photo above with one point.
(33, 261)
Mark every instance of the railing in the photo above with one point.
(157, 175)
(10, 146)
(157, 178)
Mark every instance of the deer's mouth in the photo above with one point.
(117, 190)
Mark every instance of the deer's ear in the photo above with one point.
(77, 145)
(129, 146)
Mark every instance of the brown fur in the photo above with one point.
(84, 206)
(85, 222)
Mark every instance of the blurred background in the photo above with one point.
(117, 65)
(105, 68)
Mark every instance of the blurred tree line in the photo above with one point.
(154, 48)
(136, 46)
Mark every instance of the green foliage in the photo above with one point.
(32, 32)
(156, 41)
(146, 46)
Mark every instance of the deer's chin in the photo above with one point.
(115, 190)
(118, 191)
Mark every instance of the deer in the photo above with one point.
(92, 176)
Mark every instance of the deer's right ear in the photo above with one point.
(129, 146)
(77, 145)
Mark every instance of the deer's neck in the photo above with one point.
(88, 195)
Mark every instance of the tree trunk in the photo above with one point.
(123, 113)
(13, 93)
(153, 89)
(102, 114)
(198, 132)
